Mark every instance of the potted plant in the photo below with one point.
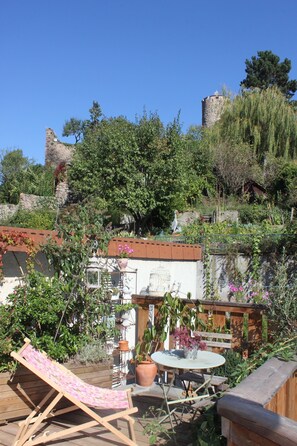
(145, 368)
(190, 344)
(124, 251)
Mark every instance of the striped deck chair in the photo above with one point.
(81, 395)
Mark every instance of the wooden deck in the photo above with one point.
(99, 436)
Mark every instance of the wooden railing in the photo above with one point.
(262, 409)
(245, 320)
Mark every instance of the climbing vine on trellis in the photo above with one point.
(14, 239)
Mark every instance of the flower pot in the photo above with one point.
(123, 346)
(145, 373)
(190, 353)
(122, 264)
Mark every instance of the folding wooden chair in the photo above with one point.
(83, 396)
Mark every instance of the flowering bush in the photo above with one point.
(237, 292)
(257, 295)
(250, 292)
(125, 250)
(183, 338)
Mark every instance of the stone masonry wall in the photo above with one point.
(29, 202)
(211, 109)
(7, 211)
(56, 151)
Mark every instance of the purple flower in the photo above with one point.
(184, 339)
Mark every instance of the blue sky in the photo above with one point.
(162, 55)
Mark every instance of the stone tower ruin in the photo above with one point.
(212, 108)
(56, 152)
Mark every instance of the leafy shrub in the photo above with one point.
(35, 310)
(284, 349)
(255, 214)
(282, 310)
(61, 314)
(39, 219)
(233, 359)
(92, 353)
(208, 429)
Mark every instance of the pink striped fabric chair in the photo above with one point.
(81, 395)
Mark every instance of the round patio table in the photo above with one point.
(175, 361)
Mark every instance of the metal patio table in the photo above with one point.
(175, 361)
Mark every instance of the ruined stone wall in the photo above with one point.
(56, 151)
(62, 191)
(7, 211)
(212, 107)
(30, 202)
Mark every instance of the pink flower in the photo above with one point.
(125, 250)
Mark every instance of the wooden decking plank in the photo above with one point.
(7, 434)
(101, 433)
(99, 436)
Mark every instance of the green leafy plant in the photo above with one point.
(153, 428)
(38, 219)
(92, 353)
(284, 349)
(61, 314)
(177, 312)
(208, 429)
(150, 342)
(282, 309)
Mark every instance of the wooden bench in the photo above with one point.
(216, 340)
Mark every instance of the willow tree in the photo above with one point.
(264, 120)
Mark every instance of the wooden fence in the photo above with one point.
(262, 409)
(245, 321)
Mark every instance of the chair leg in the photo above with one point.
(131, 422)
(24, 425)
(27, 433)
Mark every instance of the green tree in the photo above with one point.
(198, 158)
(265, 70)
(13, 168)
(134, 167)
(19, 174)
(262, 119)
(74, 127)
(283, 184)
(77, 127)
(234, 165)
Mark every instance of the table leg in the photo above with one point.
(166, 391)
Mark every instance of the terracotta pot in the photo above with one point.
(145, 373)
(123, 346)
(123, 263)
